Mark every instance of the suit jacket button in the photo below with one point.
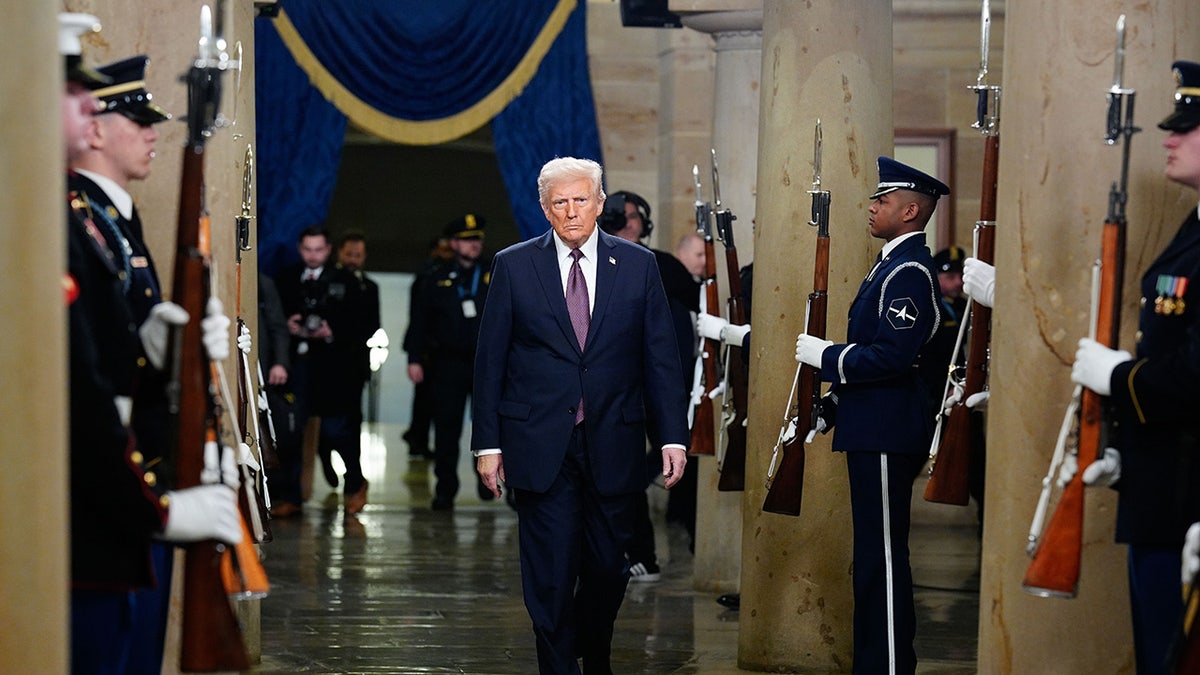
(571, 410)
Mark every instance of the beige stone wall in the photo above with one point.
(33, 501)
(653, 90)
(936, 58)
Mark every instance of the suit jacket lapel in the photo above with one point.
(545, 266)
(606, 276)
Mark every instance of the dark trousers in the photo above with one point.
(149, 630)
(1156, 604)
(450, 383)
(101, 631)
(422, 417)
(885, 619)
(342, 433)
(573, 567)
(641, 545)
(285, 482)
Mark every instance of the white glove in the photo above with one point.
(819, 427)
(1094, 364)
(709, 326)
(952, 400)
(1105, 471)
(220, 466)
(1066, 470)
(1191, 555)
(243, 339)
(809, 349)
(979, 400)
(979, 281)
(157, 327)
(203, 512)
(215, 329)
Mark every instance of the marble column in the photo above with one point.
(830, 60)
(34, 566)
(1055, 173)
(738, 48)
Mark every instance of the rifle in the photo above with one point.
(785, 479)
(705, 373)
(1185, 646)
(732, 464)
(950, 458)
(254, 507)
(211, 638)
(1054, 570)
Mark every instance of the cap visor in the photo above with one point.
(1181, 120)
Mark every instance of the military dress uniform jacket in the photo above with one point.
(115, 505)
(142, 292)
(882, 400)
(1155, 395)
(438, 326)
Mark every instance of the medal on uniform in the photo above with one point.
(1171, 290)
(468, 306)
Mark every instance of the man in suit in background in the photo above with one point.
(576, 352)
(351, 308)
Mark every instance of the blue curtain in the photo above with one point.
(298, 152)
(416, 72)
(555, 117)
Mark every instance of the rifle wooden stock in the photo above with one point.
(786, 491)
(1185, 647)
(1054, 570)
(704, 425)
(733, 467)
(948, 483)
(211, 637)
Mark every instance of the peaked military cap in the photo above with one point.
(896, 176)
(949, 259)
(469, 226)
(1187, 98)
(71, 26)
(127, 94)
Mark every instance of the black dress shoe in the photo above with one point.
(440, 504)
(730, 600)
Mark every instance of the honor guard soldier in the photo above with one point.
(1153, 392)
(879, 404)
(443, 335)
(118, 503)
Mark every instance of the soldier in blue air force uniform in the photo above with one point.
(879, 403)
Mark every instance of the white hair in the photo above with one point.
(561, 169)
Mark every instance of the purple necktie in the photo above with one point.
(577, 308)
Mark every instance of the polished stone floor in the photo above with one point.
(403, 589)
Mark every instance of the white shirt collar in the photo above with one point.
(891, 245)
(118, 195)
(588, 248)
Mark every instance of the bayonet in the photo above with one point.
(716, 181)
(243, 220)
(987, 108)
(820, 198)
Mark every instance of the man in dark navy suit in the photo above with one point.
(576, 352)
(883, 416)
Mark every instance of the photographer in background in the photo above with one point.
(303, 291)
